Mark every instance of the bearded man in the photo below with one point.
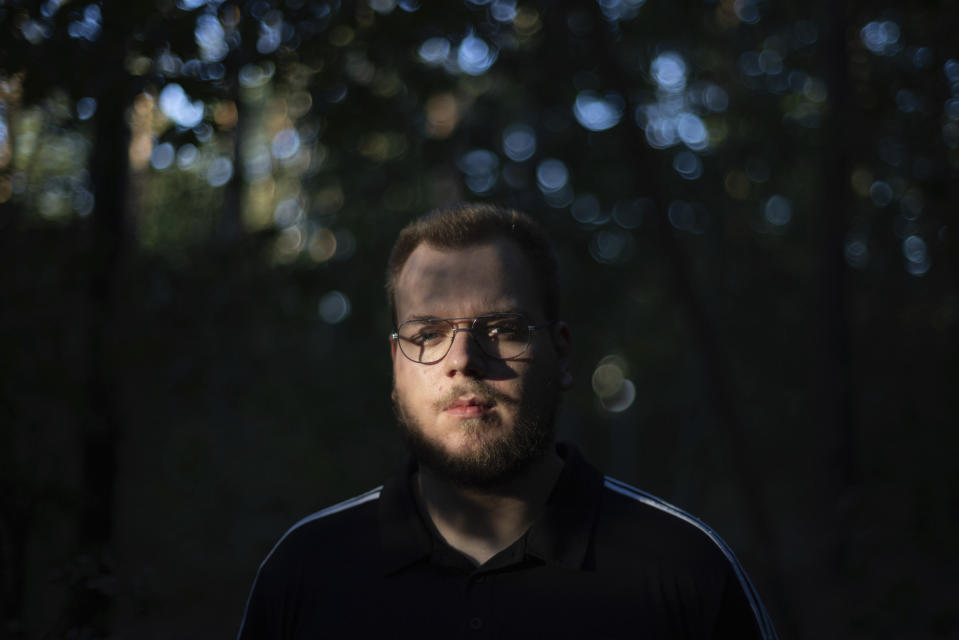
(492, 529)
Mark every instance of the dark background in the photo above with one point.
(755, 209)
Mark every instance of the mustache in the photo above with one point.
(476, 388)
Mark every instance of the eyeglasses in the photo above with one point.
(500, 335)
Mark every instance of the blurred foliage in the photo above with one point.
(754, 206)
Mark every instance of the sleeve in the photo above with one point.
(741, 613)
(255, 624)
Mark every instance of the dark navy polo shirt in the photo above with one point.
(604, 560)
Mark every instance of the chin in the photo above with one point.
(487, 456)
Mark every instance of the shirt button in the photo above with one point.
(476, 624)
(479, 579)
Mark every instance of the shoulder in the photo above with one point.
(639, 527)
(325, 541)
(652, 521)
(328, 531)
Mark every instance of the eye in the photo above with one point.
(428, 335)
(504, 330)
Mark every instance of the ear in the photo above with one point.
(393, 360)
(563, 344)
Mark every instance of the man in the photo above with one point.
(492, 530)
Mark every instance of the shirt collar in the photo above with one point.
(561, 534)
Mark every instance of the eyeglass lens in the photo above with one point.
(429, 341)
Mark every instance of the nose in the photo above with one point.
(465, 356)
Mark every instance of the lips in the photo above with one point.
(469, 407)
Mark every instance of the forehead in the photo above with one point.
(485, 277)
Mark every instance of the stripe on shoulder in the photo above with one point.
(372, 494)
(763, 620)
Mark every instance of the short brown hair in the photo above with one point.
(462, 225)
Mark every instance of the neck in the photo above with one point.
(479, 523)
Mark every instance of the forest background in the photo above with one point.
(755, 208)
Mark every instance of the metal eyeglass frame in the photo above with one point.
(395, 336)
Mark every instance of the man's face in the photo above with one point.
(471, 418)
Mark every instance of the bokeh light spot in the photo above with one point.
(219, 172)
(917, 255)
(519, 142)
(598, 113)
(688, 165)
(551, 175)
(612, 246)
(334, 307)
(176, 105)
(692, 131)
(288, 213)
(480, 168)
(285, 144)
(881, 37)
(474, 56)
(629, 214)
(687, 216)
(856, 250)
(715, 98)
(669, 71)
(503, 10)
(322, 245)
(162, 156)
(585, 209)
(747, 11)
(615, 392)
(777, 211)
(881, 193)
(86, 107)
(210, 38)
(186, 157)
(435, 51)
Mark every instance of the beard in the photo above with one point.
(499, 454)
